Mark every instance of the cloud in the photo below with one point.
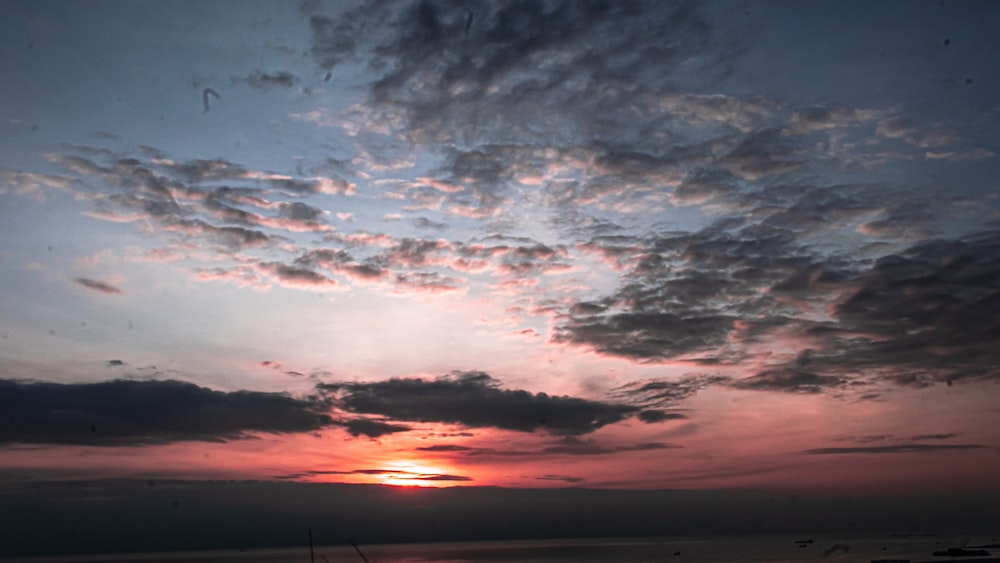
(427, 224)
(426, 282)
(896, 449)
(896, 127)
(475, 400)
(372, 428)
(214, 205)
(439, 72)
(445, 448)
(563, 478)
(761, 153)
(788, 379)
(331, 42)
(568, 445)
(716, 296)
(299, 211)
(690, 295)
(665, 392)
(229, 238)
(98, 286)
(262, 80)
(132, 413)
(574, 446)
(819, 118)
(294, 276)
(956, 156)
(933, 436)
(525, 93)
(928, 313)
(30, 184)
(646, 334)
(340, 262)
(654, 416)
(394, 474)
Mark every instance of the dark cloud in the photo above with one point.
(98, 286)
(330, 41)
(228, 237)
(934, 436)
(666, 392)
(372, 428)
(266, 80)
(896, 449)
(646, 335)
(340, 262)
(563, 478)
(439, 72)
(925, 315)
(299, 211)
(922, 315)
(426, 282)
(521, 85)
(788, 379)
(574, 446)
(475, 399)
(296, 276)
(935, 306)
(214, 204)
(198, 170)
(568, 445)
(437, 477)
(427, 224)
(761, 153)
(444, 448)
(871, 438)
(129, 413)
(654, 416)
(662, 311)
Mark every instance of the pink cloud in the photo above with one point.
(437, 185)
(243, 276)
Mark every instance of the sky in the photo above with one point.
(534, 244)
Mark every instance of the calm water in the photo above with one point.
(714, 549)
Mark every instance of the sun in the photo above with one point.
(413, 474)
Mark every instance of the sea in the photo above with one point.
(728, 549)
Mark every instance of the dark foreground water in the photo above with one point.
(705, 549)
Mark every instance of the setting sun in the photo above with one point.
(410, 474)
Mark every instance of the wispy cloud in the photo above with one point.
(566, 446)
(98, 286)
(265, 81)
(895, 449)
(397, 475)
